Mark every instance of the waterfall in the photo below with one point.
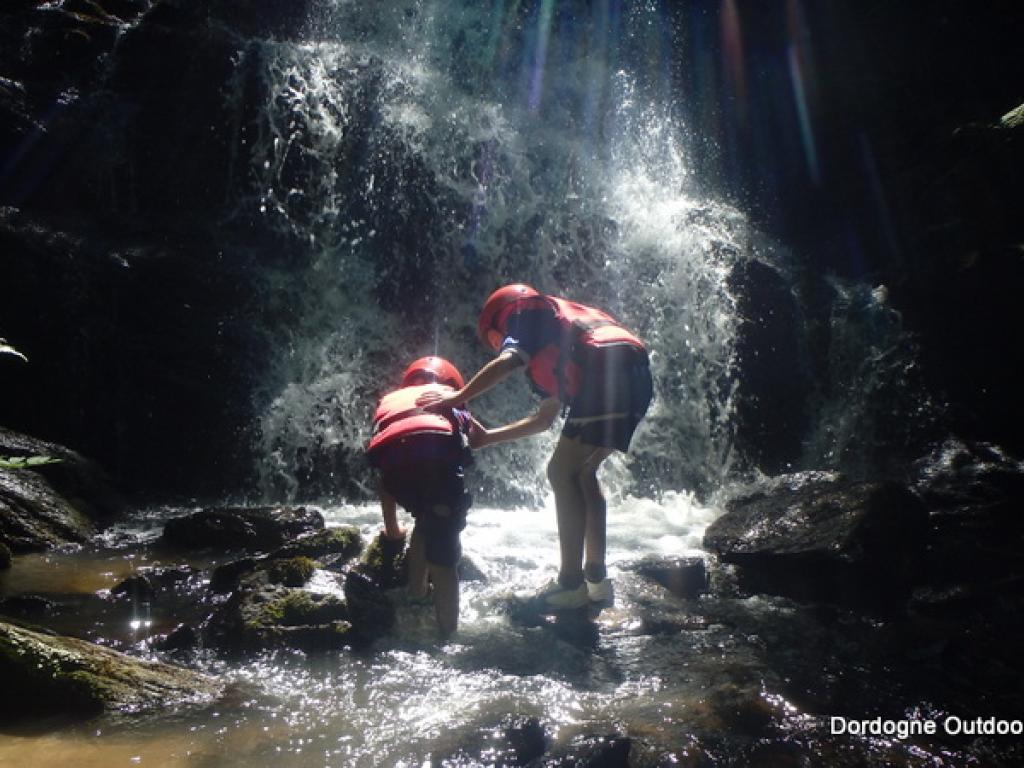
(415, 157)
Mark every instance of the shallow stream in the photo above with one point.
(711, 681)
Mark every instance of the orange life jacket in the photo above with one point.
(556, 370)
(398, 418)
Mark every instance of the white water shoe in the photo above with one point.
(558, 598)
(601, 591)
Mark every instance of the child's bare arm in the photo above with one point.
(389, 510)
(479, 437)
(485, 379)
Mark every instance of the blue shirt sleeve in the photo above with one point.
(527, 333)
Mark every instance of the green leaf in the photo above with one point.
(26, 462)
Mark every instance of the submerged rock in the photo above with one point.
(817, 537)
(252, 528)
(46, 675)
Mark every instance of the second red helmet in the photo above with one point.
(435, 369)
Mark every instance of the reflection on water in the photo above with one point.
(682, 677)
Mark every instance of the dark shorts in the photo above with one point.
(613, 398)
(435, 495)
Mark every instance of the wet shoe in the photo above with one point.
(556, 597)
(601, 591)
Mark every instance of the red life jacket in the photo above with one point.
(556, 370)
(398, 418)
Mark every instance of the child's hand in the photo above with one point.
(398, 534)
(478, 436)
(434, 401)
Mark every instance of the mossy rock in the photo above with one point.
(291, 572)
(262, 616)
(384, 562)
(343, 542)
(297, 607)
(46, 675)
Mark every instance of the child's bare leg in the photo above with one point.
(417, 563)
(570, 509)
(446, 597)
(596, 514)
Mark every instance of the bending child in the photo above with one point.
(574, 356)
(421, 457)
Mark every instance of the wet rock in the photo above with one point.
(252, 528)
(261, 616)
(291, 572)
(685, 577)
(181, 638)
(138, 587)
(972, 492)
(343, 543)
(79, 480)
(384, 562)
(772, 410)
(49, 505)
(34, 517)
(470, 571)
(225, 577)
(818, 537)
(26, 606)
(526, 738)
(371, 611)
(45, 675)
(591, 751)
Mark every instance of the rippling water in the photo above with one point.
(685, 677)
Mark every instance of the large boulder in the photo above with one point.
(34, 517)
(248, 528)
(78, 479)
(816, 536)
(45, 675)
(973, 493)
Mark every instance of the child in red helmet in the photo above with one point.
(421, 458)
(575, 356)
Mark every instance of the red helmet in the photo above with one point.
(435, 369)
(491, 327)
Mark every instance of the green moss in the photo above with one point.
(384, 562)
(344, 541)
(34, 678)
(293, 572)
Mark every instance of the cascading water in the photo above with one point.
(422, 167)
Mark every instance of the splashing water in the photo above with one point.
(415, 170)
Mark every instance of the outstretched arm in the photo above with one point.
(496, 371)
(480, 437)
